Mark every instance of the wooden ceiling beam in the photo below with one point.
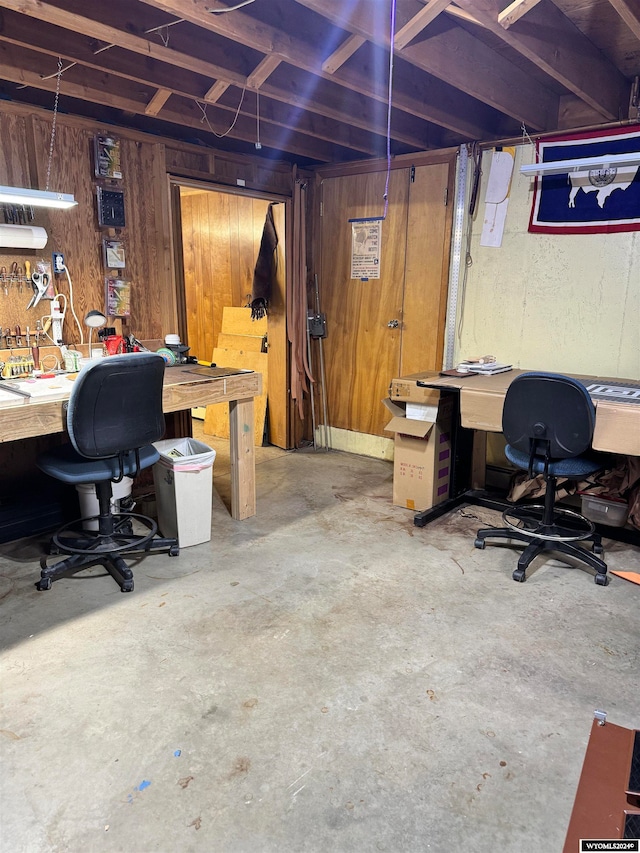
(101, 88)
(457, 12)
(454, 56)
(415, 25)
(339, 56)
(515, 11)
(157, 102)
(214, 94)
(18, 30)
(629, 11)
(278, 121)
(263, 71)
(79, 25)
(569, 58)
(240, 27)
(51, 14)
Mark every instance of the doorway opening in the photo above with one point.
(217, 238)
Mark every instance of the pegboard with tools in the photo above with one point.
(26, 290)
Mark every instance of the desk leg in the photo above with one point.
(479, 460)
(243, 459)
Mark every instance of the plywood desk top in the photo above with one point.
(617, 427)
(183, 389)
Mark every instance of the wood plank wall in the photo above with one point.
(147, 161)
(221, 237)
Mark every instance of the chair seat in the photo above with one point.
(66, 464)
(575, 468)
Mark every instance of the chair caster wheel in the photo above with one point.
(519, 575)
(44, 584)
(480, 544)
(598, 550)
(127, 586)
(174, 551)
(601, 580)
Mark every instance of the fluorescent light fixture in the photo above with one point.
(586, 164)
(36, 198)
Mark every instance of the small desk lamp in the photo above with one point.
(94, 319)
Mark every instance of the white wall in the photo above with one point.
(569, 303)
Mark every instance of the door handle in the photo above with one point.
(393, 324)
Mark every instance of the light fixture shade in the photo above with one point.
(582, 164)
(94, 319)
(22, 237)
(36, 198)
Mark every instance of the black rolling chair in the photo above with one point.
(548, 422)
(114, 415)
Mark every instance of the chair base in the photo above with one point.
(536, 546)
(87, 548)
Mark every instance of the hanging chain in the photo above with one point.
(55, 121)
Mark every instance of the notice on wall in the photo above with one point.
(366, 243)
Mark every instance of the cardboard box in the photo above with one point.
(422, 451)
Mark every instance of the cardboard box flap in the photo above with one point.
(416, 429)
(406, 426)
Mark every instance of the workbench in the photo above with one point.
(183, 389)
(479, 401)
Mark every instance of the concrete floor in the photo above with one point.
(322, 677)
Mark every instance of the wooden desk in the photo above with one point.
(182, 390)
(481, 400)
(617, 427)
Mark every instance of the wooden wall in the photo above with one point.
(147, 162)
(393, 325)
(221, 237)
(24, 145)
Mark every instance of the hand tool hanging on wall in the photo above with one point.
(40, 282)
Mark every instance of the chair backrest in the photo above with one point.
(553, 410)
(116, 405)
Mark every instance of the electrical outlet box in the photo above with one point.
(317, 325)
(58, 262)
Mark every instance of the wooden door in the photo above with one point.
(427, 269)
(362, 351)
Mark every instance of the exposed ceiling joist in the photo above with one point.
(455, 56)
(214, 94)
(418, 23)
(263, 71)
(157, 102)
(463, 70)
(578, 65)
(515, 11)
(629, 11)
(339, 56)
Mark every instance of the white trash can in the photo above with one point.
(89, 500)
(184, 488)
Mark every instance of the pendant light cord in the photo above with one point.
(392, 37)
(54, 124)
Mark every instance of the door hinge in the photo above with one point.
(413, 174)
(446, 196)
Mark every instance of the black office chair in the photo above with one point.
(548, 422)
(114, 414)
